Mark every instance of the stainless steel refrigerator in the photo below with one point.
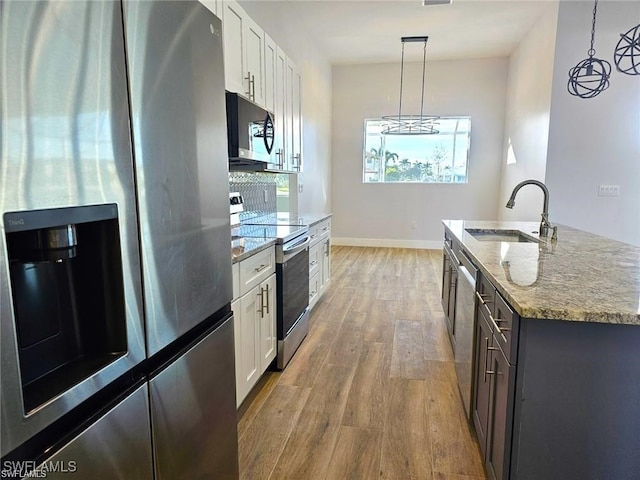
(115, 254)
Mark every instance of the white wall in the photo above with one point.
(595, 141)
(381, 214)
(527, 118)
(316, 101)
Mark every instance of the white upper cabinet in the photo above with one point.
(214, 5)
(280, 111)
(270, 55)
(255, 61)
(233, 39)
(293, 117)
(243, 53)
(297, 119)
(256, 68)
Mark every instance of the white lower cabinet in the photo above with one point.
(254, 315)
(319, 260)
(314, 288)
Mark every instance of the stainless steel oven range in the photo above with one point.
(292, 277)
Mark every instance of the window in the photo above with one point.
(433, 158)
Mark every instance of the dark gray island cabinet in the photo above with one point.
(556, 387)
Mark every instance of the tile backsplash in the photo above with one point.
(257, 189)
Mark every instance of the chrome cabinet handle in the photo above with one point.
(482, 297)
(486, 356)
(261, 267)
(498, 321)
(297, 163)
(248, 79)
(279, 155)
(261, 309)
(252, 86)
(313, 263)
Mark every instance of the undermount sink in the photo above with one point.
(496, 235)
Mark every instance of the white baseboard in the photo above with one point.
(387, 242)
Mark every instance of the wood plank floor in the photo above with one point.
(372, 392)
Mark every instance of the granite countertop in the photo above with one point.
(581, 277)
(249, 246)
(313, 218)
(244, 247)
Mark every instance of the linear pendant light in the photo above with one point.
(411, 124)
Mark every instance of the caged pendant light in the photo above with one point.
(411, 124)
(627, 52)
(590, 77)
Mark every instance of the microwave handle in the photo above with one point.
(265, 137)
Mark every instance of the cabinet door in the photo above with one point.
(314, 288)
(482, 381)
(326, 264)
(288, 98)
(237, 323)
(296, 106)
(215, 6)
(270, 55)
(498, 445)
(254, 57)
(446, 282)
(233, 30)
(279, 111)
(268, 342)
(247, 343)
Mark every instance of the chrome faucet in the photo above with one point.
(545, 226)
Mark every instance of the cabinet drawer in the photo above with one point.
(324, 229)
(256, 268)
(314, 234)
(505, 328)
(315, 253)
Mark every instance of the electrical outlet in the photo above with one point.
(609, 191)
(413, 225)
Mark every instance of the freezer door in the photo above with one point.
(115, 446)
(193, 411)
(174, 54)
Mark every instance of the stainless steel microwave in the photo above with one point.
(249, 134)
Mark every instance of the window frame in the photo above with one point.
(379, 166)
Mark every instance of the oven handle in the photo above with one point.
(296, 248)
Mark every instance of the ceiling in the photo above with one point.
(369, 31)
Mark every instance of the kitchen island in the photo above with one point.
(556, 353)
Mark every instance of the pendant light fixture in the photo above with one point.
(411, 124)
(590, 77)
(627, 53)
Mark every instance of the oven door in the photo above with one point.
(292, 275)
